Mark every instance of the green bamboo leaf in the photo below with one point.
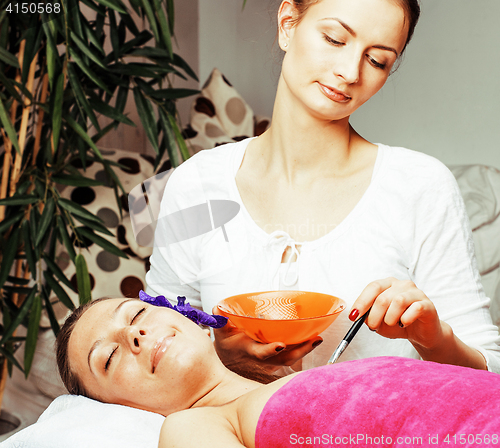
(28, 248)
(56, 270)
(3, 14)
(178, 136)
(80, 95)
(105, 244)
(117, 5)
(121, 99)
(137, 69)
(141, 39)
(169, 137)
(57, 110)
(173, 93)
(19, 316)
(61, 226)
(34, 220)
(113, 34)
(104, 131)
(83, 280)
(52, 315)
(94, 225)
(151, 18)
(146, 115)
(76, 180)
(136, 6)
(77, 22)
(110, 111)
(32, 45)
(32, 334)
(22, 188)
(116, 181)
(52, 53)
(11, 132)
(165, 29)
(9, 86)
(17, 280)
(85, 69)
(84, 136)
(59, 291)
(8, 58)
(179, 62)
(171, 16)
(144, 86)
(77, 210)
(18, 289)
(150, 52)
(46, 220)
(84, 47)
(130, 24)
(11, 358)
(5, 224)
(9, 254)
(91, 36)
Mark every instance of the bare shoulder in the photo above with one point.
(209, 427)
(250, 406)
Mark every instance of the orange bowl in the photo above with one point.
(290, 317)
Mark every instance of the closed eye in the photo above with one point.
(108, 362)
(137, 315)
(375, 63)
(332, 41)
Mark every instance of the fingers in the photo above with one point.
(391, 307)
(393, 303)
(368, 296)
(265, 351)
(292, 354)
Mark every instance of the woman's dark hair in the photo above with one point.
(411, 9)
(69, 378)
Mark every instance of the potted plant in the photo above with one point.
(56, 80)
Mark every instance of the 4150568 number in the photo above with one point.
(33, 8)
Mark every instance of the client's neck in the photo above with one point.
(228, 387)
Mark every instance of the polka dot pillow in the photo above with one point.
(220, 115)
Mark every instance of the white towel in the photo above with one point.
(78, 422)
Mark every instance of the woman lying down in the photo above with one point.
(129, 352)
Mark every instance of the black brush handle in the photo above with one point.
(355, 328)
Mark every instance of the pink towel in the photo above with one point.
(384, 401)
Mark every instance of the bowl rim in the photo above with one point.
(341, 307)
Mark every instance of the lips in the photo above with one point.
(334, 94)
(159, 349)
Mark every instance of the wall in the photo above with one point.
(240, 43)
(444, 100)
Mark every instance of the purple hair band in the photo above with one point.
(197, 316)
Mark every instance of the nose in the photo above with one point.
(134, 338)
(348, 66)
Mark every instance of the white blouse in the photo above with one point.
(410, 224)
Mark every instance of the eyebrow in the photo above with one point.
(353, 34)
(96, 343)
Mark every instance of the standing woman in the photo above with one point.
(322, 209)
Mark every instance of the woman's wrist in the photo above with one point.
(451, 350)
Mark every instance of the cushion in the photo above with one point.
(480, 188)
(78, 422)
(220, 115)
